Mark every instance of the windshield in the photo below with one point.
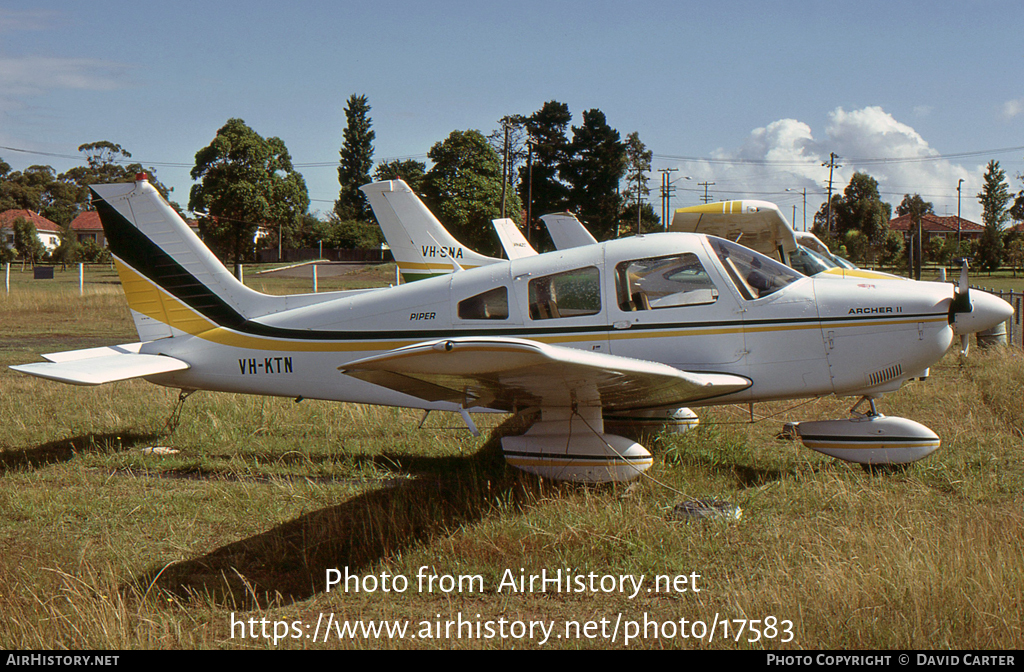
(754, 274)
(809, 262)
(844, 263)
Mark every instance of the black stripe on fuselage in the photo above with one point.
(134, 248)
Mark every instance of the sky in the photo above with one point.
(752, 97)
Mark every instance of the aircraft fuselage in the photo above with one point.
(685, 300)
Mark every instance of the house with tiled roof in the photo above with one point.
(87, 226)
(47, 232)
(933, 226)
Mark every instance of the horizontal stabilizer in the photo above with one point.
(95, 366)
(509, 373)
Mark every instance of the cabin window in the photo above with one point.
(754, 274)
(663, 282)
(569, 294)
(491, 305)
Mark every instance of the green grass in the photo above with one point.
(103, 545)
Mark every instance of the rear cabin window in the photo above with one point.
(569, 294)
(663, 282)
(491, 305)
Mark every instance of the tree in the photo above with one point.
(594, 167)
(917, 208)
(463, 189)
(26, 241)
(106, 163)
(356, 161)
(862, 210)
(638, 163)
(509, 141)
(546, 133)
(994, 198)
(1015, 253)
(409, 171)
(245, 182)
(28, 189)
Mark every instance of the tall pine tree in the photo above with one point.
(995, 200)
(356, 161)
(595, 165)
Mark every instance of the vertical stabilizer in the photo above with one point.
(422, 247)
(566, 231)
(173, 283)
(512, 239)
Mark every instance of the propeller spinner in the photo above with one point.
(973, 312)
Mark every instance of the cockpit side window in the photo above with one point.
(569, 294)
(755, 275)
(663, 282)
(490, 305)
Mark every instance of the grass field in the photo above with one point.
(105, 543)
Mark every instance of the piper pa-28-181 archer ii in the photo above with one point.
(648, 322)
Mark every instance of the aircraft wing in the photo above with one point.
(95, 366)
(510, 374)
(758, 225)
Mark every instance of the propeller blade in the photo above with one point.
(961, 302)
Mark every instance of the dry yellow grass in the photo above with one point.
(103, 546)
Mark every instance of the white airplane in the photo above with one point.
(642, 323)
(402, 217)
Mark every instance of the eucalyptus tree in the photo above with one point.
(463, 189)
(246, 185)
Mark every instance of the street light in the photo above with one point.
(805, 204)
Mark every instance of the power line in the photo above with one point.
(850, 161)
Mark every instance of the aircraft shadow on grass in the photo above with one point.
(288, 563)
(65, 450)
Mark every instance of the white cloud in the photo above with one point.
(33, 75)
(12, 20)
(786, 155)
(1012, 108)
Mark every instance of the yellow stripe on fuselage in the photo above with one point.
(149, 299)
(145, 297)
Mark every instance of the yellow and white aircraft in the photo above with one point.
(649, 322)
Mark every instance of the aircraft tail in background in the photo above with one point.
(422, 247)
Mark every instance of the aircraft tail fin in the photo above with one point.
(173, 283)
(422, 247)
(512, 239)
(566, 231)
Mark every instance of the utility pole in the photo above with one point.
(705, 198)
(529, 189)
(666, 191)
(504, 169)
(958, 214)
(828, 207)
(639, 193)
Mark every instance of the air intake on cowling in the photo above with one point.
(885, 375)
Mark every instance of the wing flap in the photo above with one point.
(507, 373)
(95, 366)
